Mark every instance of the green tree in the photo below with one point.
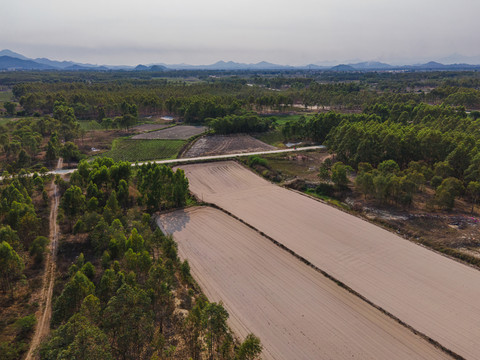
(214, 320)
(10, 236)
(364, 181)
(162, 299)
(72, 297)
(9, 107)
(37, 249)
(447, 191)
(388, 167)
(128, 321)
(250, 349)
(339, 174)
(70, 152)
(11, 266)
(73, 203)
(473, 189)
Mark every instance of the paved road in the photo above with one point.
(207, 158)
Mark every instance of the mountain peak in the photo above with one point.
(7, 52)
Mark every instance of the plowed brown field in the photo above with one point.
(173, 133)
(297, 312)
(226, 144)
(432, 293)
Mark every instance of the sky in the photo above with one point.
(295, 32)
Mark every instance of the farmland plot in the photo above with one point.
(173, 133)
(149, 127)
(226, 144)
(297, 312)
(432, 293)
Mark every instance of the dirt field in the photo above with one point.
(297, 312)
(174, 133)
(149, 127)
(435, 295)
(224, 144)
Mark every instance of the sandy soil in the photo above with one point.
(432, 293)
(45, 313)
(297, 312)
(226, 144)
(177, 132)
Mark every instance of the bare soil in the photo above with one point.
(182, 132)
(149, 127)
(296, 311)
(434, 294)
(225, 144)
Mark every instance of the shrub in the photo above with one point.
(325, 189)
(25, 325)
(257, 160)
(37, 249)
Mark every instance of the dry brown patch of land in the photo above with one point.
(297, 312)
(226, 144)
(430, 292)
(149, 127)
(100, 140)
(177, 132)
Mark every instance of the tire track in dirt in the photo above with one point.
(43, 319)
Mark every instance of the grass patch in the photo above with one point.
(5, 96)
(282, 119)
(143, 150)
(89, 125)
(5, 121)
(273, 137)
(327, 199)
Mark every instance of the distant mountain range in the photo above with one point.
(10, 61)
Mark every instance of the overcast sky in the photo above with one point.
(295, 32)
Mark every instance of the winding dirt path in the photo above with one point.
(45, 313)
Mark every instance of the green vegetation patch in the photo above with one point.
(282, 119)
(273, 137)
(328, 199)
(4, 121)
(89, 125)
(5, 96)
(143, 150)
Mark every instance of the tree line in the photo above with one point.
(128, 295)
(24, 210)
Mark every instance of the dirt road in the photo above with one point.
(296, 311)
(432, 293)
(45, 313)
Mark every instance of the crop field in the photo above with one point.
(183, 132)
(297, 312)
(430, 292)
(144, 150)
(226, 144)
